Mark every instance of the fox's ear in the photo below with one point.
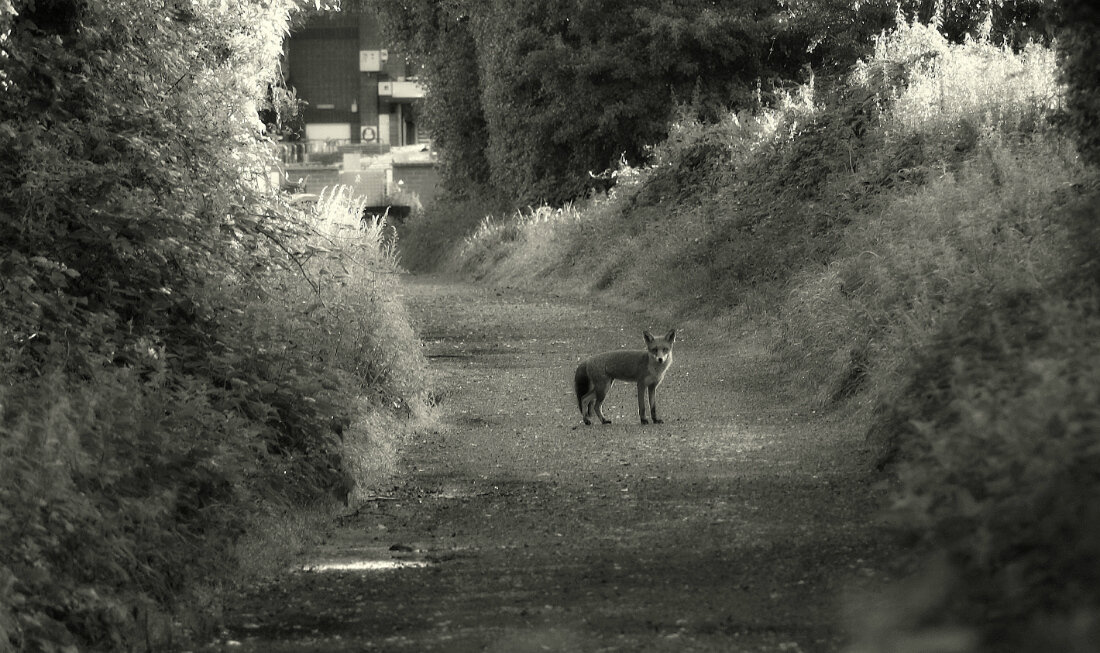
(671, 337)
(648, 336)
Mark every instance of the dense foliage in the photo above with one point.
(178, 353)
(1080, 52)
(528, 98)
(568, 88)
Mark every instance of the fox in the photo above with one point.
(595, 376)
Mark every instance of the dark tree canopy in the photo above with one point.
(1079, 49)
(527, 98)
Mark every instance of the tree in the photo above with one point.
(1079, 51)
(133, 158)
(437, 36)
(568, 87)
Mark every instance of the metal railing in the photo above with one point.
(313, 151)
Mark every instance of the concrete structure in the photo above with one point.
(361, 123)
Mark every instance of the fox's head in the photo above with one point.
(660, 349)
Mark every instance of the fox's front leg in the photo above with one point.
(641, 403)
(653, 404)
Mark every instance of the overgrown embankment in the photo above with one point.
(191, 371)
(917, 244)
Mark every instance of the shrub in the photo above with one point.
(119, 492)
(956, 91)
(168, 375)
(954, 191)
(429, 237)
(907, 268)
(966, 309)
(996, 429)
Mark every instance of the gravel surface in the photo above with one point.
(739, 524)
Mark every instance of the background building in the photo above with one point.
(360, 118)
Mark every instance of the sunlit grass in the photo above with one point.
(942, 84)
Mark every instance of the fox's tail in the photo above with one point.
(581, 384)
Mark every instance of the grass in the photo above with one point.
(901, 272)
(974, 87)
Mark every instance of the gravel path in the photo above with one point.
(737, 525)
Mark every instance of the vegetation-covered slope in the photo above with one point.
(916, 243)
(186, 363)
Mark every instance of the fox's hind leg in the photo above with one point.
(601, 393)
(599, 409)
(592, 403)
(586, 406)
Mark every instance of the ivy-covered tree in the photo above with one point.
(438, 37)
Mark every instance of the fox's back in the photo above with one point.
(619, 364)
(636, 366)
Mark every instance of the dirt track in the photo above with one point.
(736, 525)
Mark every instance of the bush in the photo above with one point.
(120, 494)
(316, 337)
(953, 92)
(996, 430)
(124, 492)
(430, 236)
(182, 355)
(907, 268)
(961, 314)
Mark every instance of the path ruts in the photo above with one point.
(737, 525)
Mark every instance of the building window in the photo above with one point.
(326, 75)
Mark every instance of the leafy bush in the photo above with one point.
(182, 355)
(956, 91)
(996, 428)
(907, 268)
(128, 490)
(316, 337)
(960, 315)
(119, 493)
